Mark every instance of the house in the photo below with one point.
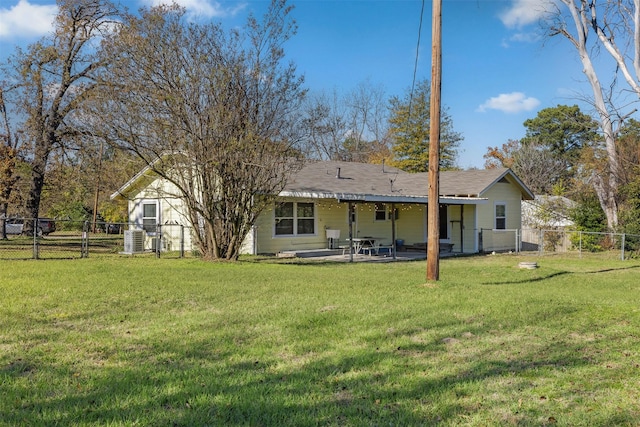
(328, 201)
(547, 212)
(545, 219)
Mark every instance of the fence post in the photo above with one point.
(84, 251)
(540, 237)
(158, 240)
(181, 241)
(580, 247)
(36, 248)
(622, 248)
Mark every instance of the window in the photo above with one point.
(295, 219)
(150, 217)
(501, 216)
(383, 212)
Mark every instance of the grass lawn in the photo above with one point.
(150, 342)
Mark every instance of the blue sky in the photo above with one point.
(497, 72)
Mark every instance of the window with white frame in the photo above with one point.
(383, 212)
(295, 219)
(150, 217)
(500, 216)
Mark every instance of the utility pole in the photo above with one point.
(433, 209)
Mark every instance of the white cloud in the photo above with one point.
(513, 102)
(528, 37)
(200, 8)
(525, 12)
(27, 20)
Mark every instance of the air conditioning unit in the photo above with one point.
(133, 241)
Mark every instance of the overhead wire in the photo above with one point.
(415, 66)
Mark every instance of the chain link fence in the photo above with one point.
(581, 243)
(561, 241)
(66, 239)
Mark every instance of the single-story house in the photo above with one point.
(327, 202)
(544, 221)
(547, 212)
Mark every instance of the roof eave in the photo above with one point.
(524, 190)
(380, 198)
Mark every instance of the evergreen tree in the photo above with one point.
(409, 130)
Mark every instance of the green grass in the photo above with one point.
(150, 342)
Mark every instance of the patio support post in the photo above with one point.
(462, 228)
(393, 230)
(350, 209)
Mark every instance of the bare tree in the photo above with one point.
(347, 126)
(615, 26)
(367, 119)
(325, 126)
(538, 167)
(52, 80)
(211, 112)
(536, 164)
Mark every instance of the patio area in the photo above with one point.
(338, 256)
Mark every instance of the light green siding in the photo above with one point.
(500, 193)
(462, 232)
(411, 226)
(171, 215)
(328, 214)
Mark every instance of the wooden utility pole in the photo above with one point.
(433, 210)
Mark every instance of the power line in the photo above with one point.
(415, 66)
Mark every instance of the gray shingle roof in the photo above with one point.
(363, 181)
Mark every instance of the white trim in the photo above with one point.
(381, 198)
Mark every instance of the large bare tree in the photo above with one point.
(209, 110)
(346, 126)
(49, 82)
(592, 26)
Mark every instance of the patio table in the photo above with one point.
(364, 244)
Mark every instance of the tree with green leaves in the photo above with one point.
(409, 132)
(628, 147)
(564, 130)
